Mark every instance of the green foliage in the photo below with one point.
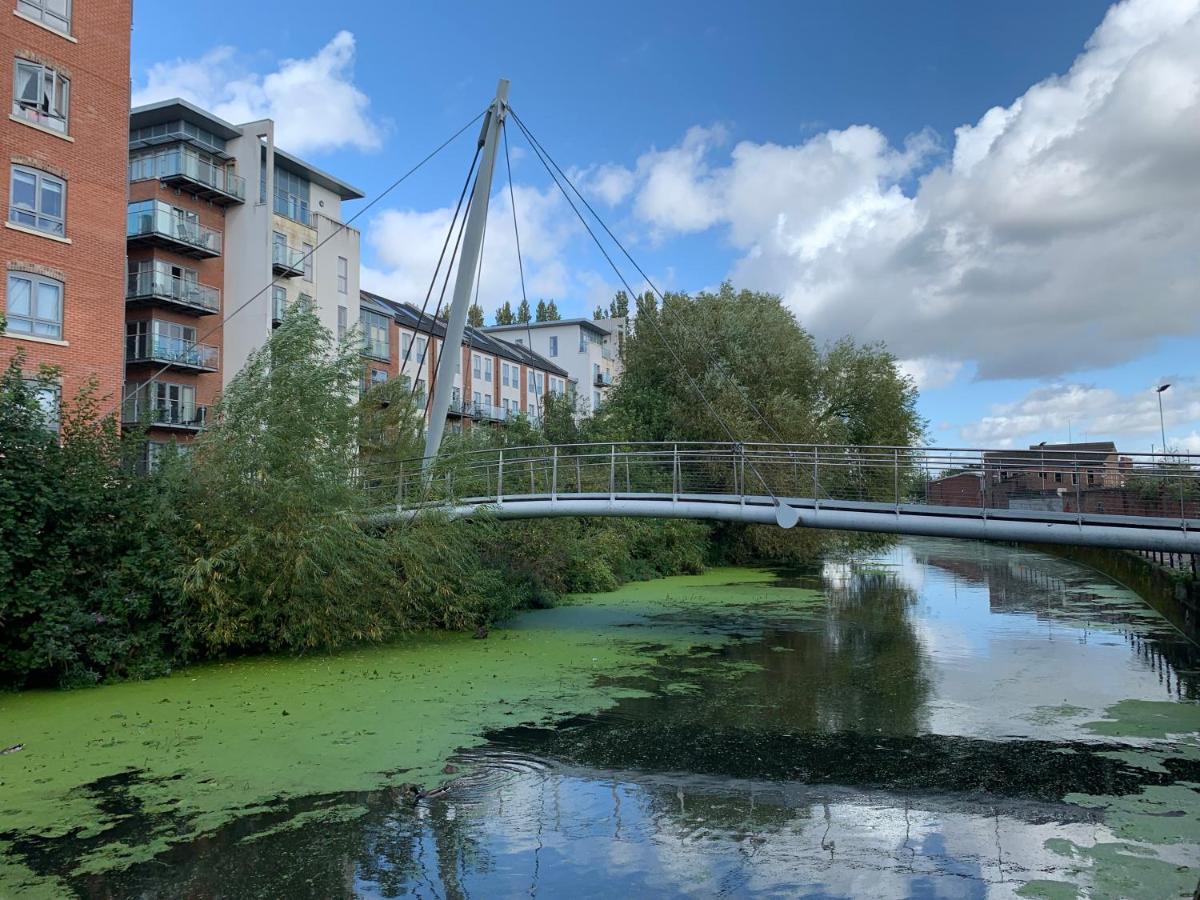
(504, 315)
(540, 314)
(552, 313)
(475, 315)
(619, 306)
(523, 313)
(86, 547)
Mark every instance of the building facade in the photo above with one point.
(225, 232)
(494, 380)
(588, 349)
(65, 185)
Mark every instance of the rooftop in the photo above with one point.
(521, 326)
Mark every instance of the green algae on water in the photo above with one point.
(216, 742)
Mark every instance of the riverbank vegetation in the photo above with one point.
(260, 538)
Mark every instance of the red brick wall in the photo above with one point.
(93, 164)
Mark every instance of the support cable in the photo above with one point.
(717, 363)
(512, 202)
(341, 226)
(662, 338)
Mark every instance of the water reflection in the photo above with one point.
(919, 729)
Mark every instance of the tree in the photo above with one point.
(523, 314)
(619, 307)
(504, 315)
(540, 315)
(552, 313)
(475, 315)
(598, 313)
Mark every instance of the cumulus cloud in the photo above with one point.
(1057, 234)
(930, 373)
(314, 101)
(1131, 419)
(406, 244)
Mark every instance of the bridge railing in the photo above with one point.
(1079, 481)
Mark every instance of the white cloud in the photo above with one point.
(1046, 413)
(929, 372)
(1058, 235)
(314, 101)
(406, 244)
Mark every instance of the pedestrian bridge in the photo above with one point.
(1139, 502)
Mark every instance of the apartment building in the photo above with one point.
(588, 349)
(1052, 467)
(64, 151)
(494, 380)
(224, 233)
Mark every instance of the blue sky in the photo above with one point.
(1034, 265)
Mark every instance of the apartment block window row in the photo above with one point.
(34, 305)
(41, 94)
(376, 341)
(38, 200)
(54, 13)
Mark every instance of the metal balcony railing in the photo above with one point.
(176, 352)
(602, 380)
(172, 291)
(183, 166)
(158, 223)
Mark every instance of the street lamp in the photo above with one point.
(1159, 390)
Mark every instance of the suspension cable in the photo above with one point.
(716, 361)
(652, 319)
(512, 202)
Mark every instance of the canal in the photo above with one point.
(945, 719)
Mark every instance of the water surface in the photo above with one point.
(947, 719)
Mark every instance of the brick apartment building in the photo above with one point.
(64, 174)
(495, 379)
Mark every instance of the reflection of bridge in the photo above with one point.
(870, 489)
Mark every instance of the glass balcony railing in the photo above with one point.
(173, 290)
(287, 260)
(211, 179)
(176, 352)
(292, 207)
(140, 409)
(158, 222)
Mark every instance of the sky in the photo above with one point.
(1006, 195)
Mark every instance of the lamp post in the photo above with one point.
(1162, 427)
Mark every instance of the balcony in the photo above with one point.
(172, 292)
(140, 410)
(602, 380)
(159, 225)
(287, 261)
(169, 351)
(207, 181)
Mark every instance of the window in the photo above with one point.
(405, 343)
(421, 344)
(1091, 479)
(378, 376)
(343, 317)
(291, 196)
(504, 374)
(596, 376)
(40, 95)
(308, 261)
(38, 200)
(34, 305)
(595, 401)
(343, 275)
(48, 397)
(476, 366)
(477, 398)
(487, 369)
(278, 302)
(1074, 478)
(375, 334)
(1058, 477)
(554, 345)
(55, 13)
(487, 400)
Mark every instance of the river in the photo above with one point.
(945, 719)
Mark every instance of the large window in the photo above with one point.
(422, 343)
(375, 334)
(40, 95)
(343, 275)
(34, 305)
(55, 13)
(278, 302)
(342, 320)
(49, 400)
(554, 345)
(291, 196)
(308, 261)
(38, 200)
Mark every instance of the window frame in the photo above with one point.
(343, 275)
(35, 281)
(39, 178)
(40, 14)
(62, 96)
(554, 345)
(308, 250)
